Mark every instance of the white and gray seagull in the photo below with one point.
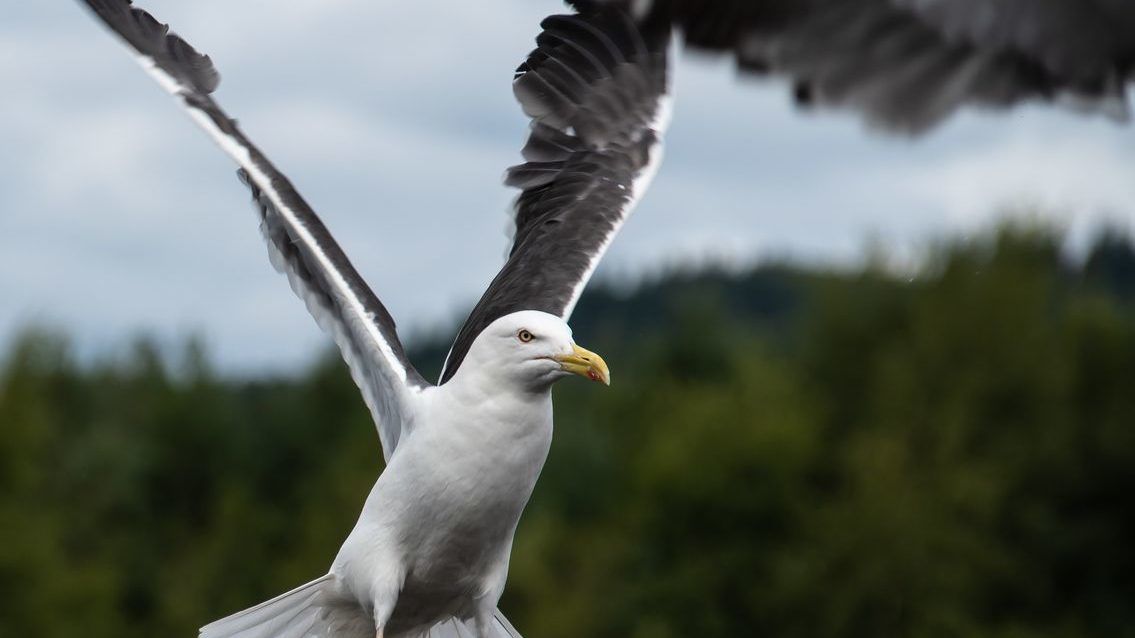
(429, 554)
(430, 551)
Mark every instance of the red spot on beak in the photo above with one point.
(591, 374)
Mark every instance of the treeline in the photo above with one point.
(785, 452)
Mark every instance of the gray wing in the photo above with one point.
(909, 64)
(596, 90)
(299, 245)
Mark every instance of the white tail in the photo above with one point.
(315, 610)
(453, 628)
(308, 611)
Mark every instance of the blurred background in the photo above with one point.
(864, 385)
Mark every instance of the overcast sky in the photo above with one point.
(396, 120)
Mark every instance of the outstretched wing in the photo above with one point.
(596, 89)
(299, 245)
(909, 64)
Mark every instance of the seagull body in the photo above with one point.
(436, 531)
(433, 540)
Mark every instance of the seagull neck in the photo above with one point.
(475, 386)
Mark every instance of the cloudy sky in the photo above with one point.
(396, 120)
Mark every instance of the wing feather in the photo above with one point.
(299, 245)
(596, 89)
(907, 65)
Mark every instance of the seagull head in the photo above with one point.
(533, 349)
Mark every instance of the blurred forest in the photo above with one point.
(785, 452)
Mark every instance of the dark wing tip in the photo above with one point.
(907, 65)
(151, 38)
(597, 74)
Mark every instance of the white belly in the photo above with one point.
(441, 518)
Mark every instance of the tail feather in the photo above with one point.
(315, 611)
(505, 628)
(307, 611)
(453, 628)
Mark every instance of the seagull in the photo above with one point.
(430, 551)
(429, 554)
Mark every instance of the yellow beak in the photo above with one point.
(585, 363)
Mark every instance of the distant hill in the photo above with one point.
(771, 299)
(766, 299)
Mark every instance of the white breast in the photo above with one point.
(442, 516)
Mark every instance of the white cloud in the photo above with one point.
(1064, 171)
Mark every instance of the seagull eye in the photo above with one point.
(525, 336)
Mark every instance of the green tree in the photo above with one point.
(785, 452)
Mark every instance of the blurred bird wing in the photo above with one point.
(299, 245)
(909, 64)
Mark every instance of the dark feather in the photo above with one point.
(593, 86)
(299, 245)
(907, 65)
(152, 38)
